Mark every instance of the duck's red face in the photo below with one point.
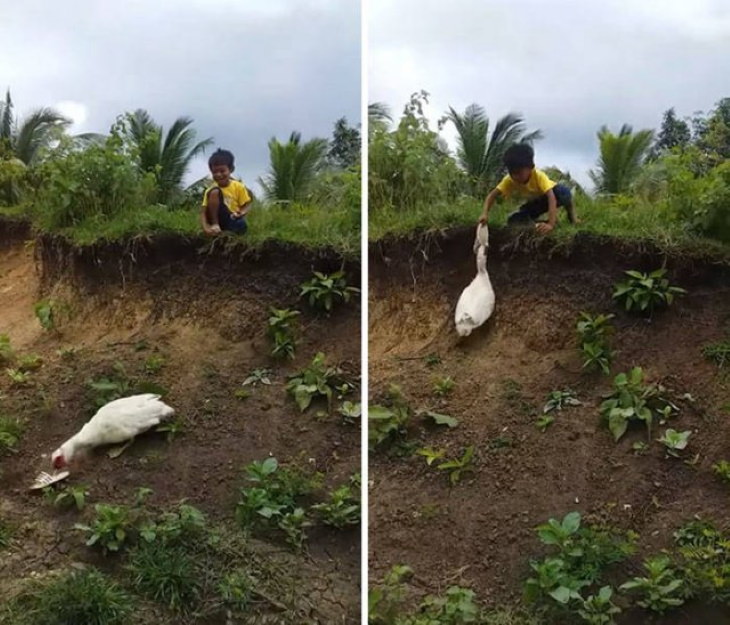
(59, 462)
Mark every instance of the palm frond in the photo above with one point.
(38, 130)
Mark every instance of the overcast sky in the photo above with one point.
(569, 66)
(243, 70)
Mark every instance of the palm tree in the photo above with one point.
(294, 168)
(25, 140)
(479, 153)
(379, 117)
(621, 158)
(168, 158)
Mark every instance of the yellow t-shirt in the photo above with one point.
(235, 195)
(538, 184)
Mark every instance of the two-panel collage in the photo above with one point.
(340, 312)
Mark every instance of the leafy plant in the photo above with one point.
(444, 386)
(458, 466)
(385, 600)
(111, 529)
(70, 496)
(722, 469)
(431, 454)
(6, 534)
(675, 441)
(593, 333)
(10, 432)
(661, 589)
(75, 597)
(30, 362)
(387, 423)
(645, 292)
(281, 332)
(45, 312)
(166, 574)
(703, 559)
(432, 360)
(342, 509)
(544, 422)
(457, 607)
(241, 393)
(557, 400)
(633, 400)
(154, 363)
(172, 428)
(599, 609)
(18, 377)
(258, 376)
(293, 523)
(235, 590)
(324, 291)
(6, 351)
(718, 352)
(108, 388)
(440, 419)
(350, 411)
(66, 353)
(316, 380)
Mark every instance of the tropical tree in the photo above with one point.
(167, 156)
(621, 158)
(344, 148)
(293, 168)
(480, 153)
(674, 133)
(563, 177)
(25, 140)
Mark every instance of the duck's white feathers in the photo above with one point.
(476, 303)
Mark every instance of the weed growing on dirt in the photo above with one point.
(343, 507)
(45, 313)
(722, 470)
(18, 377)
(634, 400)
(29, 362)
(6, 534)
(294, 524)
(316, 380)
(457, 467)
(172, 428)
(431, 454)
(703, 559)
(153, 364)
(10, 431)
(351, 412)
(661, 588)
(443, 386)
(544, 422)
(111, 387)
(111, 529)
(235, 588)
(6, 351)
(258, 376)
(74, 597)
(593, 333)
(167, 574)
(325, 291)
(66, 353)
(644, 293)
(439, 419)
(67, 497)
(281, 332)
(387, 423)
(718, 352)
(599, 609)
(432, 360)
(674, 441)
(557, 400)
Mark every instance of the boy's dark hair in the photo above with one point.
(221, 157)
(519, 156)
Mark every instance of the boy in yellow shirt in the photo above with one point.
(525, 180)
(226, 203)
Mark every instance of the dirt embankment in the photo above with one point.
(191, 318)
(481, 532)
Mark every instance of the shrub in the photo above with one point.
(645, 292)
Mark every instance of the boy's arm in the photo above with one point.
(245, 208)
(488, 203)
(544, 228)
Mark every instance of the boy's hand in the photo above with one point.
(213, 230)
(545, 228)
(483, 219)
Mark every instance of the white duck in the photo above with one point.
(476, 303)
(119, 421)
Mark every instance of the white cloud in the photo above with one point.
(75, 111)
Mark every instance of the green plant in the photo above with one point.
(598, 609)
(235, 588)
(45, 312)
(258, 376)
(6, 534)
(722, 469)
(184, 525)
(675, 441)
(70, 496)
(661, 589)
(544, 422)
(645, 292)
(166, 574)
(444, 386)
(30, 362)
(111, 387)
(350, 411)
(18, 377)
(385, 600)
(172, 428)
(718, 352)
(342, 509)
(431, 454)
(703, 559)
(10, 432)
(293, 523)
(324, 291)
(111, 529)
(432, 360)
(458, 466)
(66, 353)
(281, 332)
(387, 423)
(593, 333)
(241, 393)
(73, 598)
(154, 363)
(457, 607)
(439, 419)
(633, 400)
(6, 351)
(316, 380)
(557, 400)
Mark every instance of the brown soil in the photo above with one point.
(480, 532)
(205, 315)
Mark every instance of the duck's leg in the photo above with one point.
(115, 452)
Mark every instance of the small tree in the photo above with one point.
(621, 158)
(294, 168)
